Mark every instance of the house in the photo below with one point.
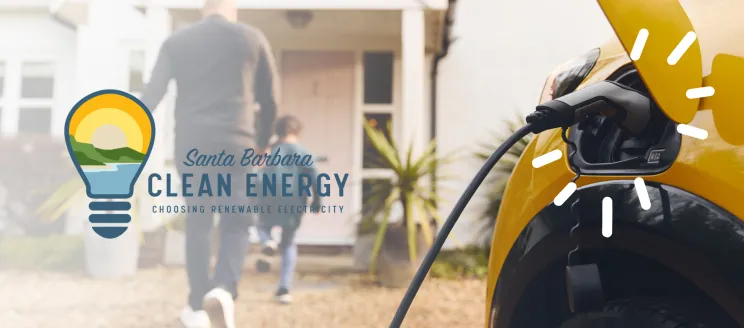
(340, 60)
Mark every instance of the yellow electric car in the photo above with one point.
(676, 263)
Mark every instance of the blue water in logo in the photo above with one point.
(113, 179)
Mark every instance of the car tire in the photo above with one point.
(648, 313)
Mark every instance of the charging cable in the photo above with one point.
(436, 246)
(628, 108)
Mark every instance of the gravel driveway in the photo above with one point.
(155, 296)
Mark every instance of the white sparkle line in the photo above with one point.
(607, 217)
(562, 196)
(640, 187)
(640, 42)
(692, 131)
(547, 158)
(700, 92)
(681, 48)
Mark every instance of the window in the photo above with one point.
(371, 159)
(378, 77)
(378, 108)
(136, 69)
(37, 81)
(35, 120)
(36, 97)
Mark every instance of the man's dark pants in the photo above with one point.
(233, 228)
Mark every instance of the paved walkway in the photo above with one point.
(326, 295)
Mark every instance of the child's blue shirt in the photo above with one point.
(302, 178)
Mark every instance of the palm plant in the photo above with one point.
(62, 199)
(406, 189)
(496, 182)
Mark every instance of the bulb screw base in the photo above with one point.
(102, 221)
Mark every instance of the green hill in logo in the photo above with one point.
(87, 154)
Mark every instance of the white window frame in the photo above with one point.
(393, 109)
(13, 103)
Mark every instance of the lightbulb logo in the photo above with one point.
(109, 136)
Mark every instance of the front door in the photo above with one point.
(318, 89)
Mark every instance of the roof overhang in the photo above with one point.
(75, 12)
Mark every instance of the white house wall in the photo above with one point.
(498, 65)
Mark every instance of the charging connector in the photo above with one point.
(628, 108)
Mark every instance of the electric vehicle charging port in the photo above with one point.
(603, 148)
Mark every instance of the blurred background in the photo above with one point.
(459, 72)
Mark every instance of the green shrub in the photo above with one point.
(55, 252)
(407, 189)
(470, 262)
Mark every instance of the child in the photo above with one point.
(287, 129)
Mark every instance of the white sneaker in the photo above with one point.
(194, 319)
(284, 299)
(220, 308)
(283, 296)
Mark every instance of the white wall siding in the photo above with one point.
(499, 64)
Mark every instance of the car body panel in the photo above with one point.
(727, 104)
(713, 55)
(627, 18)
(712, 169)
(720, 27)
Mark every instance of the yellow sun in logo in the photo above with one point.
(111, 121)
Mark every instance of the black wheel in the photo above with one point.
(649, 313)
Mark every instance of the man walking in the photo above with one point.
(221, 69)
